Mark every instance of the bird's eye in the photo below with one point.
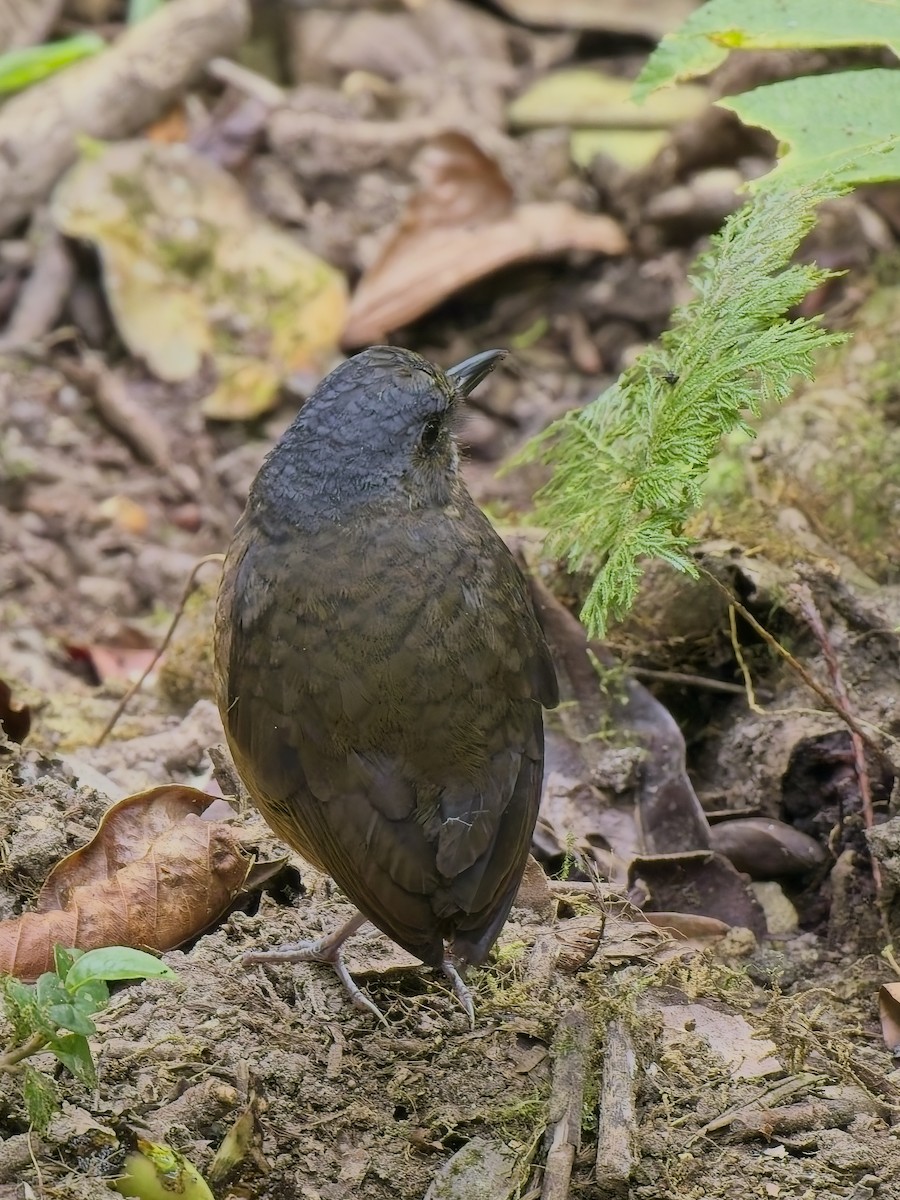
(431, 432)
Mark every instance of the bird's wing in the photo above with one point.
(408, 770)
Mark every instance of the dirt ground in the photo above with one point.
(652, 1024)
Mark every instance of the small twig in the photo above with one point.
(43, 294)
(697, 681)
(617, 1133)
(814, 686)
(768, 1098)
(742, 663)
(10, 1060)
(250, 83)
(810, 611)
(563, 1138)
(176, 617)
(117, 409)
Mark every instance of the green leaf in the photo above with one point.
(68, 1016)
(91, 997)
(63, 959)
(21, 68)
(629, 469)
(20, 1008)
(73, 1052)
(712, 31)
(862, 146)
(40, 1096)
(48, 989)
(116, 962)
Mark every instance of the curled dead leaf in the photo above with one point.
(579, 940)
(688, 926)
(154, 875)
(764, 848)
(459, 226)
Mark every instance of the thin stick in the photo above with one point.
(742, 663)
(697, 681)
(563, 1139)
(176, 617)
(617, 1110)
(810, 611)
(825, 696)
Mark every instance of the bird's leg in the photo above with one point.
(462, 993)
(326, 949)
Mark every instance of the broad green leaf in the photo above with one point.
(48, 989)
(861, 144)
(709, 34)
(73, 1052)
(91, 997)
(115, 962)
(68, 1016)
(21, 68)
(63, 959)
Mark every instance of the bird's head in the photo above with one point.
(382, 421)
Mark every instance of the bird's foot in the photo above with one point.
(462, 993)
(326, 949)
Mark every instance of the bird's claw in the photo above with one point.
(460, 991)
(324, 950)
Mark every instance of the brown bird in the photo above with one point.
(380, 669)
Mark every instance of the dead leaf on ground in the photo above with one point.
(192, 271)
(589, 99)
(15, 719)
(764, 848)
(727, 1034)
(701, 883)
(127, 663)
(154, 875)
(689, 927)
(651, 17)
(461, 225)
(889, 1012)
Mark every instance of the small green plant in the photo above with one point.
(19, 69)
(54, 1015)
(631, 468)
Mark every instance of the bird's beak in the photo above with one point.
(467, 375)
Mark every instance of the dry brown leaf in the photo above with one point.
(589, 99)
(689, 926)
(459, 226)
(191, 272)
(727, 1034)
(652, 18)
(579, 940)
(764, 848)
(154, 875)
(889, 1012)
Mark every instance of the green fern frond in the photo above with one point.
(629, 469)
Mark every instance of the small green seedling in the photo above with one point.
(54, 1015)
(20, 69)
